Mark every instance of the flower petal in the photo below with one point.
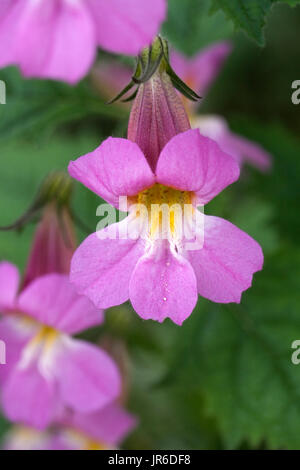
(53, 301)
(216, 128)
(9, 283)
(109, 425)
(73, 36)
(191, 162)
(28, 398)
(101, 268)
(224, 267)
(245, 150)
(163, 285)
(126, 26)
(88, 378)
(116, 168)
(44, 39)
(11, 15)
(15, 335)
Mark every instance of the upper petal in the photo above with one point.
(88, 378)
(191, 162)
(225, 265)
(216, 128)
(116, 168)
(53, 301)
(9, 283)
(163, 285)
(101, 268)
(126, 26)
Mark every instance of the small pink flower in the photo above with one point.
(46, 368)
(58, 38)
(162, 277)
(26, 438)
(109, 77)
(199, 72)
(103, 429)
(242, 149)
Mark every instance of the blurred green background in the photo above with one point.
(225, 378)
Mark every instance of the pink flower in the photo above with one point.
(201, 70)
(242, 149)
(199, 73)
(109, 77)
(58, 38)
(25, 438)
(162, 275)
(103, 429)
(47, 369)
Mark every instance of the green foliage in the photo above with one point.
(189, 26)
(225, 378)
(240, 356)
(248, 15)
(38, 107)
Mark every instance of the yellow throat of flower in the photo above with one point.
(46, 336)
(164, 208)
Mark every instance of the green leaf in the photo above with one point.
(248, 15)
(189, 25)
(240, 357)
(36, 107)
(280, 187)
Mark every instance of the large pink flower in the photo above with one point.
(58, 38)
(46, 368)
(158, 268)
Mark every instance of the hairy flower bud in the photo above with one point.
(157, 113)
(53, 245)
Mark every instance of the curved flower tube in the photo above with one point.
(160, 267)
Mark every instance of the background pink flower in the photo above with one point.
(46, 369)
(199, 72)
(58, 38)
(104, 429)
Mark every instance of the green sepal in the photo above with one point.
(151, 59)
